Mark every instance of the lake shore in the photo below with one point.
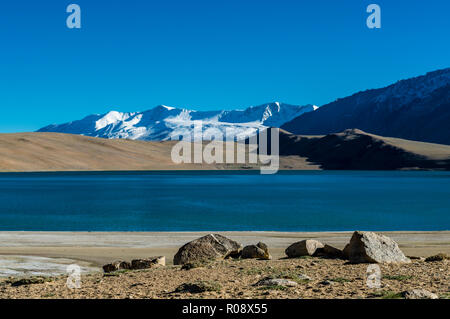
(99, 248)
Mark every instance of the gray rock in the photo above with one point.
(148, 263)
(438, 257)
(369, 247)
(209, 247)
(28, 281)
(419, 294)
(116, 265)
(259, 251)
(303, 277)
(276, 282)
(303, 248)
(199, 287)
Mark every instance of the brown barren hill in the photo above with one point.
(354, 149)
(40, 152)
(351, 149)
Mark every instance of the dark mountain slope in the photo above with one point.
(415, 109)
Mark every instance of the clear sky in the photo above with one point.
(131, 55)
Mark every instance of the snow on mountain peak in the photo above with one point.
(166, 122)
(170, 108)
(111, 117)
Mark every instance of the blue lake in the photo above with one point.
(194, 201)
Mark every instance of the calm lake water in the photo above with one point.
(194, 201)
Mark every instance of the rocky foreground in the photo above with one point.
(214, 266)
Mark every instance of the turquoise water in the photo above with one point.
(194, 201)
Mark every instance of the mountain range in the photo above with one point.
(415, 109)
(169, 123)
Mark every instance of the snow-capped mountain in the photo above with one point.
(166, 123)
(417, 109)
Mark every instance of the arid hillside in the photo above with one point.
(32, 152)
(351, 149)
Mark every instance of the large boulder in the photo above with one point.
(369, 247)
(303, 248)
(209, 247)
(260, 251)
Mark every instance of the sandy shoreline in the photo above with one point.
(98, 248)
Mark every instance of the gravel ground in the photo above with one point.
(235, 279)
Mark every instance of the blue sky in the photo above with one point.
(206, 54)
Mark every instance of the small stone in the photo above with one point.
(27, 281)
(438, 257)
(303, 277)
(419, 294)
(116, 265)
(199, 287)
(276, 282)
(148, 263)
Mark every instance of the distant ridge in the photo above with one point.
(415, 109)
